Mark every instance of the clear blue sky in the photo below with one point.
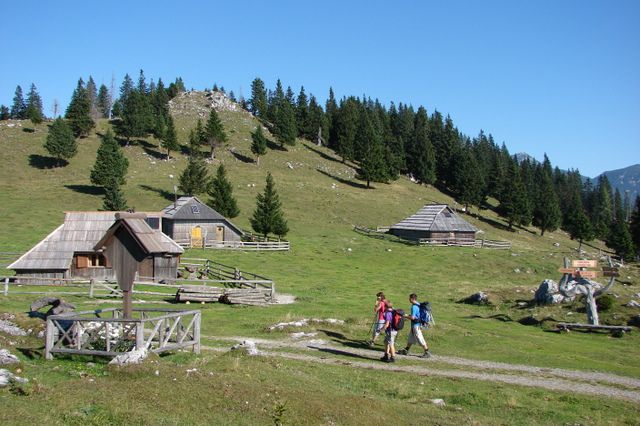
(561, 77)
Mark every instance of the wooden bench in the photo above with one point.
(615, 329)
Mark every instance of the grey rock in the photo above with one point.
(545, 291)
(135, 356)
(7, 357)
(479, 298)
(58, 305)
(6, 377)
(10, 328)
(633, 304)
(249, 346)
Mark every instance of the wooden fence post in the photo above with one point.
(196, 333)
(6, 286)
(91, 283)
(139, 334)
(49, 339)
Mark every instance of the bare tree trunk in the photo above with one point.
(592, 308)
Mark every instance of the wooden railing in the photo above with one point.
(238, 245)
(452, 242)
(104, 332)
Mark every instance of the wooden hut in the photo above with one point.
(68, 251)
(191, 223)
(435, 223)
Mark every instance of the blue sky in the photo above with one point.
(561, 77)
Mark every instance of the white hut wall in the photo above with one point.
(181, 230)
(166, 267)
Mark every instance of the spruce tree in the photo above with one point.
(92, 93)
(258, 100)
(602, 209)
(302, 115)
(421, 156)
(258, 143)
(34, 106)
(546, 214)
(113, 197)
(60, 141)
(634, 225)
(111, 164)
(285, 124)
(619, 236)
(214, 132)
(5, 113)
(467, 183)
(372, 165)
(103, 103)
(268, 217)
(79, 111)
(345, 129)
(169, 138)
(194, 178)
(515, 204)
(137, 119)
(19, 107)
(579, 226)
(221, 193)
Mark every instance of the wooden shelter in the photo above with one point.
(69, 251)
(191, 223)
(436, 223)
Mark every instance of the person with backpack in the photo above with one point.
(379, 310)
(419, 318)
(393, 321)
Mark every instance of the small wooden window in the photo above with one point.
(82, 261)
(93, 260)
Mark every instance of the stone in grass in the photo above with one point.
(438, 402)
(479, 298)
(10, 328)
(7, 357)
(135, 356)
(6, 377)
(249, 346)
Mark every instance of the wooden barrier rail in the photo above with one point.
(238, 245)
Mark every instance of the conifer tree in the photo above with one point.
(268, 217)
(372, 165)
(330, 110)
(79, 111)
(137, 117)
(34, 106)
(169, 138)
(258, 143)
(579, 226)
(634, 226)
(103, 103)
(619, 236)
(19, 107)
(467, 183)
(60, 141)
(92, 93)
(214, 132)
(421, 156)
(194, 178)
(345, 129)
(302, 115)
(111, 163)
(113, 197)
(546, 214)
(316, 121)
(258, 100)
(221, 193)
(515, 204)
(602, 209)
(5, 113)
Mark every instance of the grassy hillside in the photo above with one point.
(333, 272)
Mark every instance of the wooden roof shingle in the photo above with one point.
(435, 217)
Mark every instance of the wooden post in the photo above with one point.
(196, 332)
(139, 334)
(127, 304)
(49, 339)
(6, 286)
(92, 282)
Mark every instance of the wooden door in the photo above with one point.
(145, 268)
(196, 237)
(219, 233)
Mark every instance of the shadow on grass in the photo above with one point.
(167, 195)
(386, 237)
(86, 189)
(242, 157)
(28, 130)
(494, 223)
(344, 340)
(344, 181)
(274, 146)
(32, 353)
(154, 153)
(340, 352)
(43, 162)
(322, 154)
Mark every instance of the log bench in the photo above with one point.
(614, 329)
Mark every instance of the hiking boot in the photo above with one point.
(385, 358)
(426, 354)
(392, 360)
(403, 352)
(371, 343)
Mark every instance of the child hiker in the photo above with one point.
(378, 310)
(415, 335)
(390, 334)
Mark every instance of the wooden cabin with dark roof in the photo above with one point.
(69, 251)
(191, 223)
(435, 223)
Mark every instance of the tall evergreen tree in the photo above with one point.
(345, 128)
(194, 178)
(372, 166)
(103, 103)
(302, 115)
(268, 217)
(137, 119)
(546, 213)
(111, 163)
(330, 110)
(635, 224)
(34, 106)
(113, 197)
(5, 113)
(580, 226)
(285, 124)
(515, 204)
(169, 139)
(619, 236)
(221, 193)
(214, 132)
(317, 124)
(79, 111)
(421, 157)
(60, 141)
(92, 93)
(258, 100)
(258, 143)
(466, 182)
(19, 106)
(602, 210)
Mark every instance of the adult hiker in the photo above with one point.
(415, 334)
(390, 333)
(378, 310)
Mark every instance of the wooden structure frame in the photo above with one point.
(435, 222)
(93, 333)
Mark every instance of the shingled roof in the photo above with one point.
(191, 208)
(435, 218)
(150, 240)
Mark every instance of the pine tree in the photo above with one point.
(602, 209)
(317, 120)
(302, 115)
(467, 183)
(634, 226)
(345, 129)
(214, 132)
(421, 156)
(546, 214)
(579, 226)
(169, 138)
(19, 107)
(372, 165)
(137, 119)
(60, 141)
(268, 217)
(258, 100)
(34, 106)
(103, 102)
(221, 193)
(5, 113)
(515, 204)
(92, 93)
(258, 143)
(79, 111)
(285, 124)
(619, 236)
(194, 178)
(111, 163)
(113, 197)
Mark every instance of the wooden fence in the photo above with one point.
(238, 245)
(447, 242)
(104, 332)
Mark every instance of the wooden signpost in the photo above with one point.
(584, 263)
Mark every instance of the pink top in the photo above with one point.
(381, 308)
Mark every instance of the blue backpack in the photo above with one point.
(426, 316)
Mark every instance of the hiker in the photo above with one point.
(390, 334)
(378, 310)
(415, 334)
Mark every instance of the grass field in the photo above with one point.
(334, 273)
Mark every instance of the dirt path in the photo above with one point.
(555, 379)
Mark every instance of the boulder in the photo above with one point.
(633, 304)
(249, 346)
(135, 356)
(7, 357)
(545, 292)
(479, 298)
(6, 377)
(10, 328)
(58, 305)
(635, 321)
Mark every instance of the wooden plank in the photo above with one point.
(567, 270)
(584, 263)
(564, 325)
(587, 274)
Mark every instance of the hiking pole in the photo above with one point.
(373, 327)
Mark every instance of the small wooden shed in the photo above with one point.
(191, 223)
(131, 245)
(437, 223)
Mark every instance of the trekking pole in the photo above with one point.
(373, 327)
